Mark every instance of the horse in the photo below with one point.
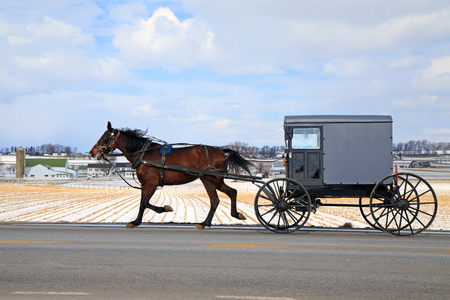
(138, 149)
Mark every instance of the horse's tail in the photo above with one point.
(235, 161)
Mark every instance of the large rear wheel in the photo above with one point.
(282, 205)
(403, 204)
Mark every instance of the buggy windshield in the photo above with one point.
(306, 138)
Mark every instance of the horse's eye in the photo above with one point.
(105, 139)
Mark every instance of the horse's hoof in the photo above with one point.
(242, 216)
(130, 225)
(168, 208)
(200, 227)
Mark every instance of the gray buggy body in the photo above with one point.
(335, 155)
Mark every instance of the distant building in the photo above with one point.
(98, 170)
(125, 169)
(48, 168)
(82, 172)
(277, 168)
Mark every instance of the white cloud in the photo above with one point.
(144, 110)
(436, 76)
(439, 131)
(163, 40)
(49, 30)
(222, 122)
(403, 62)
(110, 70)
(345, 67)
(280, 36)
(423, 102)
(43, 55)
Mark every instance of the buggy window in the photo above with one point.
(306, 138)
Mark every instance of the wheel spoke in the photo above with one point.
(278, 224)
(267, 212)
(395, 220)
(405, 181)
(293, 193)
(273, 217)
(418, 220)
(269, 197)
(388, 223)
(424, 203)
(285, 221)
(409, 223)
(421, 211)
(293, 217)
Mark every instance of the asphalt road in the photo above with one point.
(79, 262)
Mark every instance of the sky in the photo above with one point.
(216, 72)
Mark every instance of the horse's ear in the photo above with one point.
(110, 129)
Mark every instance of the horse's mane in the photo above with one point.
(135, 138)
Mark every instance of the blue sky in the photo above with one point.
(216, 72)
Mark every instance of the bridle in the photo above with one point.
(112, 141)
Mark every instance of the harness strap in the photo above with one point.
(208, 167)
(134, 187)
(166, 148)
(138, 160)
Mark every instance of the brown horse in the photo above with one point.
(137, 148)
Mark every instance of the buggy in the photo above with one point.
(333, 156)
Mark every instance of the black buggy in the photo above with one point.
(344, 157)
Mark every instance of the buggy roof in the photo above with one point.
(314, 119)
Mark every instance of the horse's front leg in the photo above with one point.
(146, 194)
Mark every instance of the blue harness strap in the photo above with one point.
(168, 147)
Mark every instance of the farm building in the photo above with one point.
(98, 170)
(125, 169)
(48, 168)
(82, 172)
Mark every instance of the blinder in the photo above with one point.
(110, 142)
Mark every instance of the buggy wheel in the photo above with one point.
(364, 208)
(282, 205)
(403, 204)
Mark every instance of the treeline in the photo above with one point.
(421, 147)
(411, 147)
(255, 152)
(42, 150)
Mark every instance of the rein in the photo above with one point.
(134, 187)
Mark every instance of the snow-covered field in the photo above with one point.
(111, 202)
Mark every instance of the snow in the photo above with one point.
(113, 202)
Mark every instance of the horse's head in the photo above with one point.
(106, 144)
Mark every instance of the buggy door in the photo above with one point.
(305, 155)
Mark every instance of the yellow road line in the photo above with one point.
(51, 293)
(441, 251)
(32, 242)
(262, 246)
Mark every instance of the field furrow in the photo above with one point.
(25, 202)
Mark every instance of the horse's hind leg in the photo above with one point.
(232, 193)
(210, 187)
(146, 194)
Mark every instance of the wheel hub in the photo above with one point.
(282, 205)
(403, 204)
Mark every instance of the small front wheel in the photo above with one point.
(282, 205)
